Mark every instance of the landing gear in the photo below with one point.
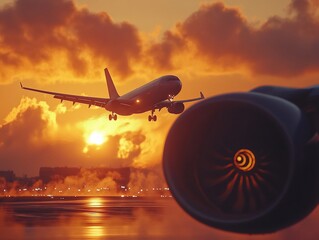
(113, 116)
(152, 117)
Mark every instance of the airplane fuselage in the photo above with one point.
(145, 97)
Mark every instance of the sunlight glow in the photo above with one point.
(95, 232)
(96, 138)
(95, 202)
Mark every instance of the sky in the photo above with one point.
(63, 45)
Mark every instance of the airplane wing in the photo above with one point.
(192, 100)
(168, 103)
(95, 101)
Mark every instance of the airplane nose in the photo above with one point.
(178, 85)
(174, 83)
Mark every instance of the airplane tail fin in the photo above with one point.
(110, 85)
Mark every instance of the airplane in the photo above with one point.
(152, 96)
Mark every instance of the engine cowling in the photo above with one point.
(176, 108)
(243, 163)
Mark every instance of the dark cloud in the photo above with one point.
(33, 31)
(162, 53)
(280, 46)
(118, 42)
(300, 7)
(28, 29)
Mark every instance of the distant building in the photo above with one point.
(120, 175)
(47, 174)
(9, 176)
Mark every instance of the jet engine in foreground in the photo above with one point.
(247, 162)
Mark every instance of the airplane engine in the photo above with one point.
(176, 107)
(243, 162)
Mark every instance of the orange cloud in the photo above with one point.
(25, 138)
(33, 32)
(279, 47)
(31, 137)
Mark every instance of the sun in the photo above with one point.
(96, 138)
